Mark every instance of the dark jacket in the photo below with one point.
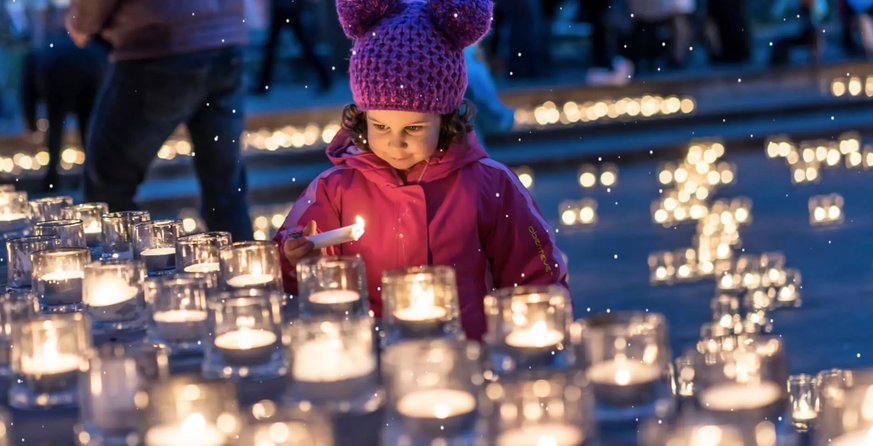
(143, 29)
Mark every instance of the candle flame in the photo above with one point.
(245, 339)
(547, 440)
(622, 377)
(442, 411)
(539, 328)
(256, 269)
(358, 228)
(868, 439)
(193, 424)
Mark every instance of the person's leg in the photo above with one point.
(276, 24)
(292, 18)
(55, 143)
(139, 106)
(215, 131)
(601, 44)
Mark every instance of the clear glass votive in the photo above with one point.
(789, 292)
(802, 397)
(748, 269)
(630, 365)
(113, 295)
(420, 302)
(71, 232)
(212, 279)
(335, 365)
(19, 250)
(91, 215)
(245, 338)
(333, 286)
(117, 241)
(683, 386)
(107, 395)
(772, 269)
(853, 426)
(200, 253)
(190, 411)
(432, 390)
(154, 243)
(251, 265)
(49, 208)
(15, 306)
(528, 328)
(553, 409)
(726, 308)
(179, 313)
(14, 211)
(287, 427)
(48, 355)
(57, 278)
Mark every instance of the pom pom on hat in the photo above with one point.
(358, 16)
(462, 22)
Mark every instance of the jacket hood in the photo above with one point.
(343, 151)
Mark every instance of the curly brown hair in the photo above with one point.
(453, 126)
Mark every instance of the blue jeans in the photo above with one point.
(140, 105)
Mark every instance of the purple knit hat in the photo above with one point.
(409, 56)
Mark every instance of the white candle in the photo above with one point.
(194, 431)
(248, 280)
(539, 335)
(159, 251)
(177, 316)
(858, 438)
(333, 297)
(420, 313)
(328, 360)
(436, 403)
(245, 339)
(548, 434)
(110, 290)
(49, 362)
(735, 396)
(93, 227)
(210, 267)
(12, 216)
(338, 236)
(58, 276)
(623, 373)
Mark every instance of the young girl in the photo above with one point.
(408, 163)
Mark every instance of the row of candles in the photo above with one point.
(854, 86)
(570, 112)
(806, 162)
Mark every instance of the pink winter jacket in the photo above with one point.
(459, 208)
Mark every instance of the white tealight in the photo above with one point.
(436, 403)
(537, 336)
(159, 251)
(623, 373)
(14, 216)
(249, 280)
(49, 364)
(210, 267)
(245, 339)
(420, 313)
(110, 290)
(172, 316)
(328, 360)
(58, 276)
(194, 431)
(333, 297)
(735, 396)
(551, 434)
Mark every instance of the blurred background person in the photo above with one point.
(519, 24)
(811, 13)
(174, 62)
(728, 31)
(493, 116)
(856, 20)
(287, 13)
(66, 79)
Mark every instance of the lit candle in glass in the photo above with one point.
(19, 274)
(49, 208)
(71, 232)
(188, 412)
(802, 396)
(333, 286)
(178, 313)
(251, 265)
(47, 356)
(200, 253)
(91, 215)
(57, 278)
(527, 326)
(155, 244)
(15, 306)
(420, 302)
(117, 241)
(14, 211)
(113, 295)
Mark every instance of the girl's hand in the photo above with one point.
(297, 246)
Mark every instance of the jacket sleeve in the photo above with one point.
(518, 242)
(89, 16)
(314, 204)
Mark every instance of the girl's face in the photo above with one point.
(402, 139)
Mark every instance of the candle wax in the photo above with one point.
(49, 364)
(623, 373)
(110, 290)
(735, 396)
(245, 339)
(159, 259)
(250, 280)
(210, 267)
(328, 360)
(331, 297)
(58, 276)
(180, 325)
(537, 336)
(420, 313)
(60, 288)
(436, 403)
(171, 316)
(194, 431)
(551, 434)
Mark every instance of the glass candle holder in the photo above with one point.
(661, 269)
(15, 306)
(117, 241)
(245, 335)
(91, 215)
(432, 389)
(71, 232)
(855, 422)
(154, 243)
(554, 409)
(14, 211)
(107, 394)
(251, 265)
(630, 365)
(726, 308)
(49, 208)
(190, 411)
(789, 293)
(57, 278)
(528, 327)
(19, 250)
(683, 376)
(802, 397)
(200, 253)
(333, 287)
(420, 302)
(335, 365)
(113, 295)
(772, 266)
(212, 279)
(287, 427)
(179, 313)
(48, 355)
